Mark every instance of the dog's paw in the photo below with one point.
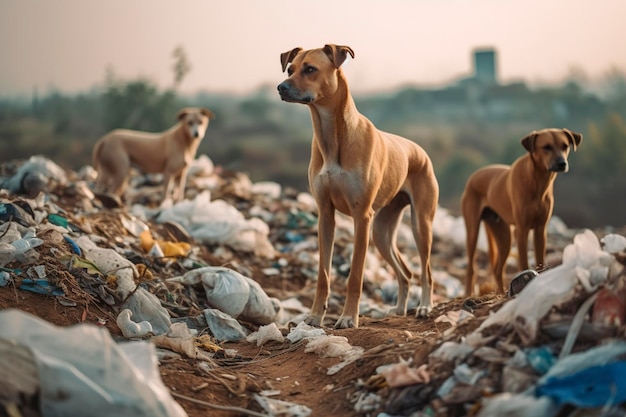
(347, 322)
(423, 312)
(400, 311)
(315, 321)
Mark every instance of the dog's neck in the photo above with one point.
(332, 119)
(543, 179)
(191, 142)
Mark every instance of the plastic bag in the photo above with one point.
(233, 293)
(145, 306)
(223, 327)
(217, 222)
(279, 408)
(178, 339)
(595, 386)
(110, 262)
(97, 376)
(304, 331)
(553, 287)
(130, 328)
(265, 334)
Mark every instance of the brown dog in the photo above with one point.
(520, 195)
(170, 153)
(365, 173)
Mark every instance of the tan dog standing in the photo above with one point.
(520, 195)
(362, 172)
(170, 153)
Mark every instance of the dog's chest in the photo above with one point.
(335, 184)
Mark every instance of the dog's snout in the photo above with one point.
(559, 165)
(283, 87)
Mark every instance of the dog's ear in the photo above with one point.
(182, 114)
(574, 138)
(528, 141)
(208, 113)
(287, 57)
(338, 53)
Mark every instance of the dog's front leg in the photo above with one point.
(521, 235)
(180, 184)
(540, 236)
(350, 316)
(169, 181)
(326, 240)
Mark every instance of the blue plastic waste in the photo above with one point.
(5, 278)
(595, 386)
(73, 245)
(541, 359)
(41, 286)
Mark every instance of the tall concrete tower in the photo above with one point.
(485, 65)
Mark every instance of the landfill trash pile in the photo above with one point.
(196, 308)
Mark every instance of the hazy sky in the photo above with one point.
(234, 45)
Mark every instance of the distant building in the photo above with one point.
(485, 66)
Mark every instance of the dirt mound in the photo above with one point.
(241, 372)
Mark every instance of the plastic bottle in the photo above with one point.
(19, 249)
(28, 241)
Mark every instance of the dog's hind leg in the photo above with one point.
(424, 198)
(500, 232)
(470, 205)
(384, 235)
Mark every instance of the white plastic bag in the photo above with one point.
(265, 334)
(97, 377)
(110, 262)
(553, 287)
(234, 294)
(218, 222)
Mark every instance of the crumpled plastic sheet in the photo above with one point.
(551, 288)
(330, 346)
(109, 262)
(218, 222)
(265, 334)
(577, 362)
(222, 326)
(304, 331)
(37, 167)
(180, 339)
(97, 377)
(593, 378)
(279, 408)
(595, 386)
(514, 405)
(145, 306)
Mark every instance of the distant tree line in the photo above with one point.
(462, 127)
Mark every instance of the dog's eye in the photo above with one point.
(309, 70)
(289, 70)
(547, 148)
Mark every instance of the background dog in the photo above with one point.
(365, 173)
(170, 153)
(520, 195)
